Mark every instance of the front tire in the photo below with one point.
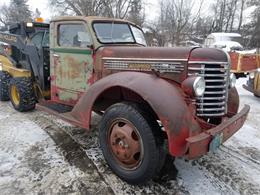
(128, 143)
(4, 83)
(21, 94)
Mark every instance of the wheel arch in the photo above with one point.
(164, 99)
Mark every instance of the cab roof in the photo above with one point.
(89, 18)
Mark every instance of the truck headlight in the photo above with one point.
(199, 86)
(232, 80)
(1, 66)
(194, 86)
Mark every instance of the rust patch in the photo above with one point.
(199, 144)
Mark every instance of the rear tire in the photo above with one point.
(21, 94)
(4, 83)
(128, 142)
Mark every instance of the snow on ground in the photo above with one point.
(31, 162)
(42, 154)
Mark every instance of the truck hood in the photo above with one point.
(169, 63)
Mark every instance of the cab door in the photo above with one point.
(71, 61)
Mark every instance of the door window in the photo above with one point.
(73, 35)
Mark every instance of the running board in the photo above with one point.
(61, 111)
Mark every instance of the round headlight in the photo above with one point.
(199, 86)
(232, 80)
(251, 75)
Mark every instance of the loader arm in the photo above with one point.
(29, 50)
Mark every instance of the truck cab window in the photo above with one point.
(73, 35)
(139, 35)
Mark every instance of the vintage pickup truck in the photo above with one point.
(152, 100)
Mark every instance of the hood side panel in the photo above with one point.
(145, 55)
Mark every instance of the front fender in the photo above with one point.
(163, 97)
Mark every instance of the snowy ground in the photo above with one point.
(40, 154)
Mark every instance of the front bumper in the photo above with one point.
(209, 140)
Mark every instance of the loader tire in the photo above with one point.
(4, 83)
(21, 94)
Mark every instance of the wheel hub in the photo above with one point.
(125, 144)
(15, 95)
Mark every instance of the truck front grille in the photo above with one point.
(214, 101)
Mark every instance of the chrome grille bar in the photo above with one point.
(210, 104)
(209, 75)
(215, 86)
(213, 102)
(215, 92)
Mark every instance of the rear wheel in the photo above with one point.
(21, 94)
(129, 144)
(4, 82)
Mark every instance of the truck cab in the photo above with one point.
(75, 45)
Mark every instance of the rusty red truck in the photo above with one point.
(152, 100)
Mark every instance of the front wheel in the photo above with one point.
(128, 143)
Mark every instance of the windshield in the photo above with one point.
(110, 32)
(139, 35)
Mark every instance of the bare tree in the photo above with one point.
(117, 8)
(219, 8)
(110, 8)
(177, 18)
(155, 36)
(4, 16)
(136, 13)
(78, 7)
(228, 15)
(241, 14)
(252, 30)
(16, 11)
